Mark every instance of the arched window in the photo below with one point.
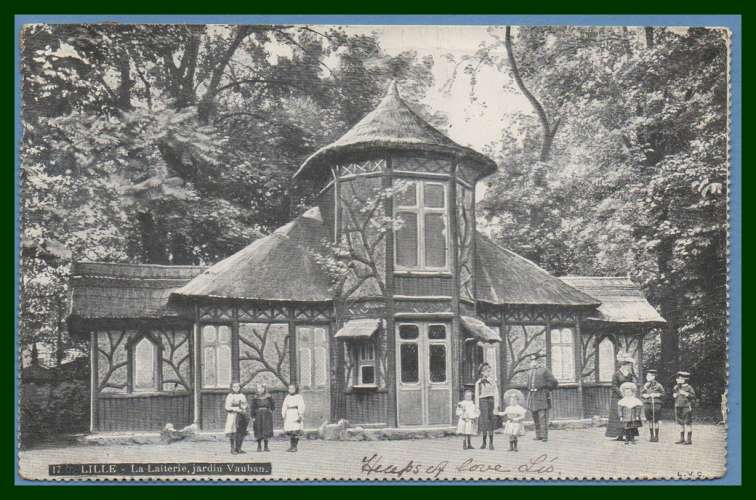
(145, 360)
(606, 355)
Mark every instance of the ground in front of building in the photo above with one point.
(569, 454)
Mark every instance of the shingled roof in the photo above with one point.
(101, 290)
(392, 125)
(279, 266)
(621, 300)
(504, 277)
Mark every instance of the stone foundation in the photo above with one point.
(341, 431)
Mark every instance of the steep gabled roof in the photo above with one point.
(102, 290)
(621, 300)
(392, 125)
(504, 277)
(279, 266)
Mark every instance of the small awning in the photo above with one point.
(359, 328)
(478, 329)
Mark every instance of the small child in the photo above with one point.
(468, 414)
(515, 414)
(292, 411)
(630, 410)
(684, 396)
(652, 394)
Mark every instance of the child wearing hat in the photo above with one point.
(652, 394)
(684, 396)
(630, 410)
(515, 414)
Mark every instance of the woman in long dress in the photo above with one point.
(487, 401)
(262, 413)
(625, 373)
(292, 411)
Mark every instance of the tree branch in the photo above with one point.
(548, 131)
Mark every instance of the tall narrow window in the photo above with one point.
(606, 355)
(422, 241)
(216, 356)
(312, 357)
(562, 355)
(366, 363)
(145, 366)
(409, 359)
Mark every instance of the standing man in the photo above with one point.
(538, 400)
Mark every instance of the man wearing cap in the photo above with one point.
(538, 399)
(684, 396)
(625, 373)
(652, 394)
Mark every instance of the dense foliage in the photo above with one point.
(176, 144)
(635, 181)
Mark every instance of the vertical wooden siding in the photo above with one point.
(366, 407)
(596, 399)
(566, 404)
(143, 413)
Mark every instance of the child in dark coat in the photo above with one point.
(262, 414)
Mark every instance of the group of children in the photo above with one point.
(468, 413)
(238, 415)
(632, 411)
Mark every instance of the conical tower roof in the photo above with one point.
(392, 125)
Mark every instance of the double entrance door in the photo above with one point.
(423, 372)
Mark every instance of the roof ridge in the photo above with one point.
(138, 264)
(597, 277)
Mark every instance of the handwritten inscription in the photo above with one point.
(541, 465)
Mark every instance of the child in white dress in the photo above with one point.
(292, 411)
(630, 411)
(515, 414)
(236, 417)
(468, 414)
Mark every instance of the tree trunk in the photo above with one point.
(649, 32)
(206, 107)
(670, 341)
(59, 351)
(124, 88)
(549, 130)
(180, 252)
(153, 241)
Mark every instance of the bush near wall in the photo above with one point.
(51, 409)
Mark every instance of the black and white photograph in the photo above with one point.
(374, 252)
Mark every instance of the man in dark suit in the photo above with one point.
(538, 399)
